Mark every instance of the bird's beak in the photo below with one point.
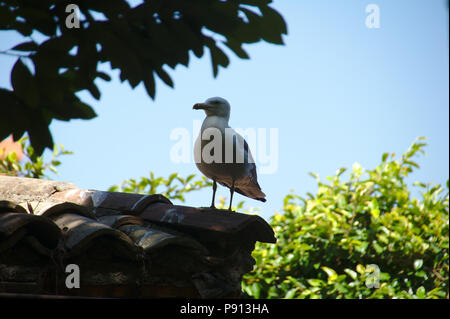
(199, 106)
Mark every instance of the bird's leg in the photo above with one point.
(231, 194)
(214, 193)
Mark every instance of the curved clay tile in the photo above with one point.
(42, 228)
(52, 209)
(81, 232)
(209, 222)
(115, 221)
(9, 206)
(151, 238)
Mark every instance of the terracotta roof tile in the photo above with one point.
(115, 221)
(80, 231)
(151, 238)
(42, 228)
(210, 222)
(122, 240)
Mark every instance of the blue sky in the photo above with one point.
(337, 92)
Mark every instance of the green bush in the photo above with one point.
(174, 187)
(31, 165)
(355, 236)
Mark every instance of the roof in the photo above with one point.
(126, 245)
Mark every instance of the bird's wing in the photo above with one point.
(240, 146)
(247, 186)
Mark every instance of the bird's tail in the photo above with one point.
(253, 193)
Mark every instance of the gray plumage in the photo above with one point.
(233, 165)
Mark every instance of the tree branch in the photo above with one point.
(5, 52)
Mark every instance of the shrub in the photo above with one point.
(174, 187)
(32, 165)
(355, 236)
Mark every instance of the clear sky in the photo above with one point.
(337, 91)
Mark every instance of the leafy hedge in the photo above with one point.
(174, 187)
(355, 236)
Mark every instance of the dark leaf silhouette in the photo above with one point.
(140, 41)
(26, 46)
(24, 84)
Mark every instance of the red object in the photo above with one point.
(8, 145)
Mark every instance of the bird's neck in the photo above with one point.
(215, 121)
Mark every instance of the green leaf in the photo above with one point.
(40, 136)
(165, 77)
(92, 88)
(332, 275)
(14, 110)
(237, 49)
(272, 25)
(379, 249)
(340, 171)
(103, 76)
(351, 273)
(315, 282)
(291, 293)
(149, 84)
(24, 28)
(421, 274)
(418, 264)
(24, 84)
(420, 293)
(360, 268)
(26, 46)
(384, 276)
(256, 290)
(218, 58)
(423, 185)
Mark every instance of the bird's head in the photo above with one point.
(214, 106)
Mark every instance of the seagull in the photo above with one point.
(223, 155)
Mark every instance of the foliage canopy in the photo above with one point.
(174, 187)
(139, 41)
(328, 242)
